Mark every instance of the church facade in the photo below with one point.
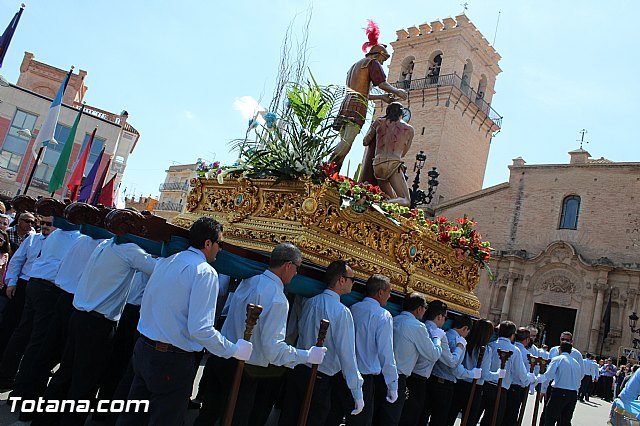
(567, 239)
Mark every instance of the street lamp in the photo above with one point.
(633, 321)
(418, 196)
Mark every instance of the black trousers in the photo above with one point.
(437, 401)
(295, 392)
(489, 395)
(560, 407)
(461, 395)
(607, 388)
(514, 399)
(88, 348)
(415, 395)
(31, 380)
(342, 403)
(585, 388)
(40, 300)
(12, 313)
(124, 342)
(165, 379)
(259, 390)
(385, 413)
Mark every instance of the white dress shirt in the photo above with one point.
(575, 354)
(447, 357)
(464, 371)
(448, 362)
(525, 362)
(179, 304)
(374, 340)
(411, 341)
(139, 283)
(23, 259)
(340, 340)
(514, 367)
(106, 280)
(564, 371)
(54, 248)
(74, 262)
(269, 347)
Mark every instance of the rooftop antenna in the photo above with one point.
(496, 32)
(581, 140)
(465, 5)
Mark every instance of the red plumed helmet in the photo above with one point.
(373, 34)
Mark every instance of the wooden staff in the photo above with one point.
(304, 410)
(253, 312)
(467, 411)
(543, 367)
(504, 356)
(533, 361)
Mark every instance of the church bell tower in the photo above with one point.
(449, 70)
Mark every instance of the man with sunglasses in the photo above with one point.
(21, 230)
(19, 313)
(262, 379)
(338, 388)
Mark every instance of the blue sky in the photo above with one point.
(178, 67)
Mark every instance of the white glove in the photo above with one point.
(532, 388)
(243, 350)
(439, 333)
(462, 341)
(316, 354)
(532, 377)
(477, 373)
(359, 407)
(392, 396)
(540, 379)
(502, 373)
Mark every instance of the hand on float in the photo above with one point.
(316, 354)
(243, 350)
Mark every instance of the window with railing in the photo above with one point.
(15, 145)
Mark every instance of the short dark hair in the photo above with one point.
(506, 329)
(414, 301)
(462, 321)
(377, 282)
(435, 308)
(283, 253)
(566, 347)
(203, 229)
(335, 270)
(522, 333)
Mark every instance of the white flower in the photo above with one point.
(221, 178)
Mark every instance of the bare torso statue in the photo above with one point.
(393, 137)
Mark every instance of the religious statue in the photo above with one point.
(361, 76)
(392, 137)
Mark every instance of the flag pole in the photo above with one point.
(41, 149)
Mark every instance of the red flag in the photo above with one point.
(76, 177)
(106, 194)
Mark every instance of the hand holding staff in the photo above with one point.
(253, 312)
(304, 410)
(543, 367)
(504, 357)
(533, 361)
(467, 411)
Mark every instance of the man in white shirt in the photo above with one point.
(412, 341)
(262, 378)
(176, 322)
(374, 351)
(338, 386)
(590, 369)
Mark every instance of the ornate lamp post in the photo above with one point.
(418, 196)
(633, 321)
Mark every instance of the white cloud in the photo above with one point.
(248, 107)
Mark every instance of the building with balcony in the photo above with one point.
(174, 190)
(24, 105)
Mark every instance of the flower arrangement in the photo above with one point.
(210, 170)
(357, 195)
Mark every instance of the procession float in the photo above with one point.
(286, 186)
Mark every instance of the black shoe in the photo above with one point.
(194, 405)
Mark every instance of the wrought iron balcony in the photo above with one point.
(174, 186)
(170, 206)
(452, 80)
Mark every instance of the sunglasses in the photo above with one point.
(219, 243)
(351, 278)
(29, 221)
(45, 223)
(296, 265)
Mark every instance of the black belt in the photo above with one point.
(163, 347)
(46, 283)
(441, 380)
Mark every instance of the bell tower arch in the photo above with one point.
(454, 70)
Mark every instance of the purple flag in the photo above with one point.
(5, 39)
(87, 183)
